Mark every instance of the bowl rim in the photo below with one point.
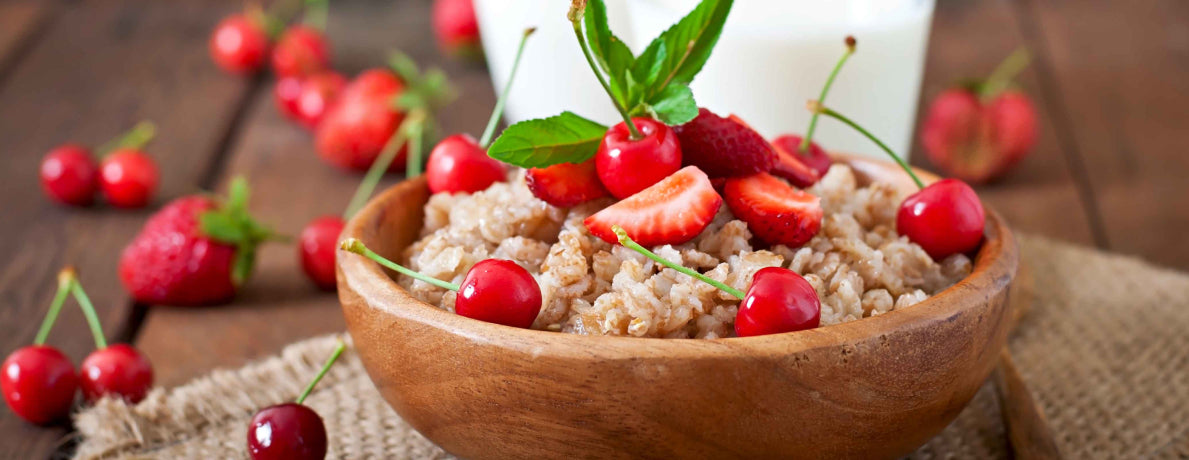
(994, 267)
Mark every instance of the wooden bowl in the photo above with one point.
(878, 387)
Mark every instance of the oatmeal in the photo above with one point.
(857, 263)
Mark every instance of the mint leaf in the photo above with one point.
(564, 138)
(647, 67)
(612, 55)
(674, 105)
(689, 43)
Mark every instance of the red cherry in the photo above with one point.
(128, 178)
(501, 292)
(319, 243)
(69, 175)
(318, 93)
(287, 431)
(778, 301)
(38, 383)
(815, 157)
(238, 45)
(287, 94)
(944, 218)
(300, 51)
(118, 370)
(458, 164)
(627, 166)
(455, 26)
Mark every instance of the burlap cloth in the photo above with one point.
(1105, 350)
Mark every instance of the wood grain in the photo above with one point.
(19, 24)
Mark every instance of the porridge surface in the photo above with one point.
(857, 263)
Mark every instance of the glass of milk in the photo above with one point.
(772, 57)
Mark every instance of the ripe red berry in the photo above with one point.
(455, 26)
(672, 211)
(38, 383)
(774, 211)
(815, 157)
(975, 140)
(287, 94)
(724, 146)
(355, 129)
(944, 218)
(301, 51)
(459, 164)
(118, 370)
(239, 45)
(287, 432)
(128, 178)
(318, 92)
(627, 165)
(778, 301)
(501, 292)
(565, 184)
(317, 248)
(69, 175)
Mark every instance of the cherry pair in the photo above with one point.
(291, 431)
(39, 382)
(241, 43)
(125, 175)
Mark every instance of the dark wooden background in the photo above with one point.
(1110, 79)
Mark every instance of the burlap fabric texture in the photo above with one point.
(1105, 350)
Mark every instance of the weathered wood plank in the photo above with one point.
(19, 23)
(1119, 77)
(97, 69)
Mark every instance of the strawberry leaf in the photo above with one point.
(688, 44)
(674, 105)
(564, 138)
(222, 227)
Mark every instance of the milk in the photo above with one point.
(771, 58)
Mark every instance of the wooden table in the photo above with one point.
(1111, 82)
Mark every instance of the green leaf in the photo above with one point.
(647, 67)
(223, 227)
(674, 105)
(245, 260)
(689, 43)
(612, 55)
(564, 138)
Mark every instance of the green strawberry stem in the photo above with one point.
(627, 242)
(357, 247)
(577, 8)
(499, 104)
(88, 308)
(334, 356)
(1004, 73)
(65, 280)
(850, 49)
(134, 138)
(817, 107)
(376, 171)
(316, 14)
(231, 224)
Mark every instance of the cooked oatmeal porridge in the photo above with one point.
(857, 263)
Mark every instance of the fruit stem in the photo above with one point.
(89, 311)
(577, 8)
(376, 171)
(413, 158)
(817, 107)
(65, 280)
(316, 14)
(1005, 72)
(134, 138)
(627, 242)
(499, 104)
(356, 246)
(338, 350)
(850, 49)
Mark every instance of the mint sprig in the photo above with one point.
(564, 138)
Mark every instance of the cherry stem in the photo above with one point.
(627, 242)
(316, 14)
(65, 280)
(356, 246)
(850, 49)
(380, 165)
(499, 104)
(1005, 72)
(134, 138)
(338, 350)
(413, 158)
(577, 8)
(88, 308)
(817, 107)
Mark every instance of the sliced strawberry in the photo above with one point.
(671, 211)
(774, 211)
(789, 166)
(815, 158)
(723, 147)
(566, 184)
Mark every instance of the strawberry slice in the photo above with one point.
(671, 211)
(566, 184)
(789, 166)
(723, 147)
(815, 158)
(774, 211)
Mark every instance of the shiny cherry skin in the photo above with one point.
(814, 157)
(39, 384)
(118, 370)
(69, 175)
(128, 178)
(779, 300)
(458, 164)
(501, 292)
(317, 248)
(628, 166)
(287, 94)
(301, 51)
(287, 431)
(944, 218)
(318, 93)
(239, 45)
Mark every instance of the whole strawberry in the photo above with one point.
(978, 131)
(197, 250)
(352, 133)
